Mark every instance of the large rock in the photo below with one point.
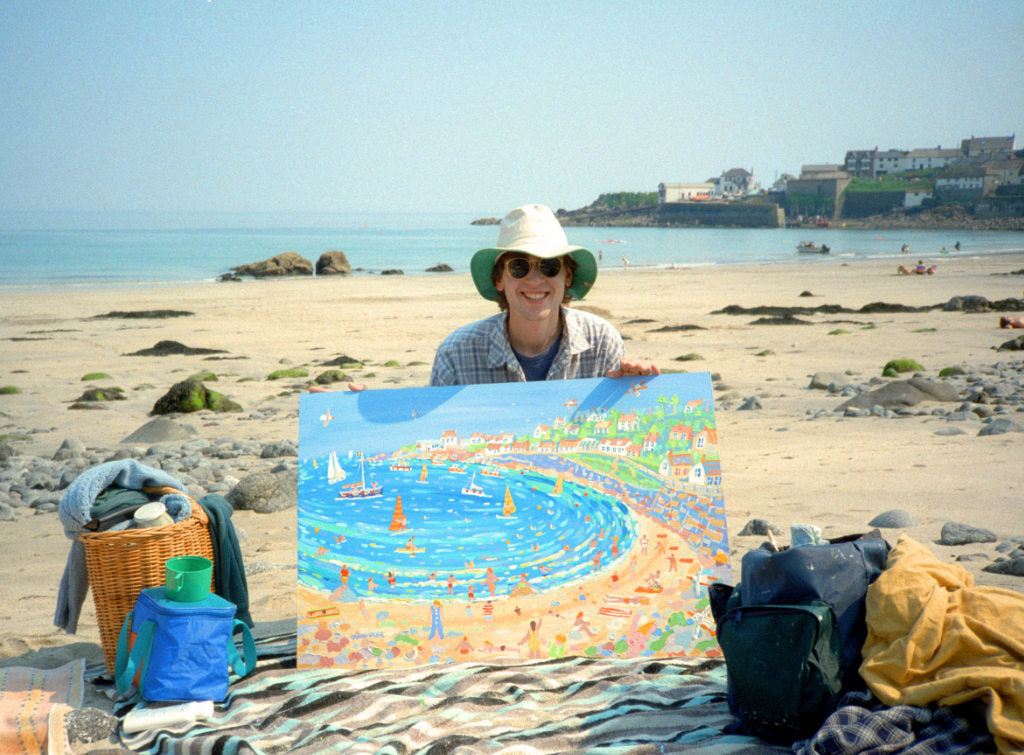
(902, 393)
(333, 263)
(192, 396)
(289, 263)
(957, 533)
(265, 492)
(160, 430)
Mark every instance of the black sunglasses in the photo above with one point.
(519, 267)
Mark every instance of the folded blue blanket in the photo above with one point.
(75, 510)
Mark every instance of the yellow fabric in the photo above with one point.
(934, 637)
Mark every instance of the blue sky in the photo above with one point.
(229, 106)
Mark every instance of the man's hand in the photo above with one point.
(631, 367)
(351, 387)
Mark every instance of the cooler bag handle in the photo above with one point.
(242, 664)
(129, 664)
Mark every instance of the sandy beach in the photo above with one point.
(790, 459)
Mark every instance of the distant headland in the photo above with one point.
(759, 212)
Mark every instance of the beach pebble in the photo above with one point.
(960, 416)
(760, 527)
(825, 381)
(69, 449)
(7, 451)
(1001, 425)
(1013, 564)
(956, 533)
(1008, 545)
(279, 448)
(893, 518)
(264, 493)
(751, 403)
(951, 431)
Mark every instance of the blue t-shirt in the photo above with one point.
(536, 368)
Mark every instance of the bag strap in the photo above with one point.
(242, 664)
(128, 664)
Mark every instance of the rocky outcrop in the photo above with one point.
(333, 263)
(289, 263)
(192, 396)
(440, 267)
(903, 394)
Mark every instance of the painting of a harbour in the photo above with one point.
(508, 522)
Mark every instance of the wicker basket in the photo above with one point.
(121, 563)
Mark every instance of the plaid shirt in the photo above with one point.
(863, 725)
(481, 353)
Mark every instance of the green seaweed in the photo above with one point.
(839, 332)
(902, 365)
(330, 376)
(291, 372)
(204, 376)
(952, 371)
(96, 376)
(691, 357)
(9, 389)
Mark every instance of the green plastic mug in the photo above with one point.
(187, 578)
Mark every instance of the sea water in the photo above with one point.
(151, 249)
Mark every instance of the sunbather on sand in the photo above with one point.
(1011, 322)
(920, 269)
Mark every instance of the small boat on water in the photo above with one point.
(423, 475)
(490, 472)
(809, 247)
(359, 489)
(473, 488)
(509, 508)
(398, 520)
(335, 473)
(400, 467)
(457, 469)
(557, 490)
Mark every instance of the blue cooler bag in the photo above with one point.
(175, 651)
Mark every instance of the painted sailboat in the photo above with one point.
(423, 475)
(400, 466)
(509, 507)
(490, 472)
(359, 489)
(473, 488)
(335, 473)
(557, 490)
(398, 520)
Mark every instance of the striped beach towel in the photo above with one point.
(561, 705)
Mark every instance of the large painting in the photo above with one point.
(502, 523)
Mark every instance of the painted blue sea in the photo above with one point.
(550, 539)
(424, 494)
(92, 250)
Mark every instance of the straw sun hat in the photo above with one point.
(533, 229)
